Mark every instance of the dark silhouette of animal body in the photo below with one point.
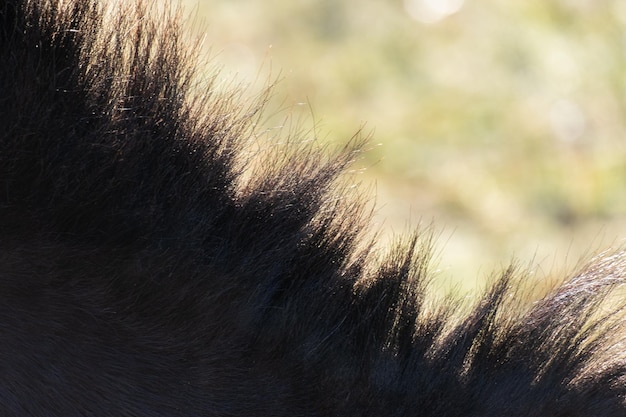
(145, 271)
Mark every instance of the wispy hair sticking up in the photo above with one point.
(144, 271)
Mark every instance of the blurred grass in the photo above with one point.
(501, 121)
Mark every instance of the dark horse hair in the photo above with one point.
(152, 264)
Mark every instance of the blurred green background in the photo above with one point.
(502, 122)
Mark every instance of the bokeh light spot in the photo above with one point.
(432, 11)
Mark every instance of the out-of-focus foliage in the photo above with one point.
(503, 121)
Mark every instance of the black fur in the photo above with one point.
(144, 273)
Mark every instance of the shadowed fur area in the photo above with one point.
(151, 266)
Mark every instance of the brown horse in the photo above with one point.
(146, 271)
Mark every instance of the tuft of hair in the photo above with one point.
(146, 271)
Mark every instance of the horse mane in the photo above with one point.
(150, 265)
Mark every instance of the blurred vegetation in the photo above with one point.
(502, 122)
